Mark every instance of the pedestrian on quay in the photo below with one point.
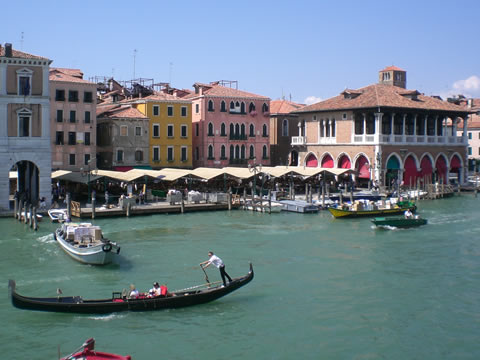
(215, 260)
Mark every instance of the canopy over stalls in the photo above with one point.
(77, 177)
(363, 167)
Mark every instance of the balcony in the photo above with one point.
(410, 139)
(299, 140)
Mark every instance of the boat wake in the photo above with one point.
(46, 239)
(108, 317)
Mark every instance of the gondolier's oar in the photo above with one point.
(206, 276)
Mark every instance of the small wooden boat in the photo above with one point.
(57, 215)
(22, 216)
(399, 208)
(87, 352)
(85, 243)
(399, 222)
(120, 302)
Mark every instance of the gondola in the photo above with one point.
(399, 222)
(120, 302)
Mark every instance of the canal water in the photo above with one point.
(323, 288)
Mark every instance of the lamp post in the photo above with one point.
(255, 168)
(89, 200)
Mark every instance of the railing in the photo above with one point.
(298, 140)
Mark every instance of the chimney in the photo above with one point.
(8, 50)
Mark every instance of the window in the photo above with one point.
(251, 107)
(196, 129)
(138, 131)
(73, 95)
(87, 138)
(139, 155)
(87, 97)
(222, 152)
(265, 108)
(73, 116)
(210, 152)
(184, 111)
(156, 130)
(156, 110)
(470, 136)
(242, 152)
(170, 110)
(223, 130)
(123, 130)
(87, 117)
(24, 82)
(333, 127)
(156, 153)
(72, 159)
(223, 106)
(72, 138)
(59, 115)
(344, 116)
(87, 159)
(183, 131)
(285, 127)
(242, 108)
(197, 108)
(197, 153)
(252, 130)
(184, 153)
(170, 130)
(59, 95)
(252, 152)
(210, 105)
(210, 129)
(264, 153)
(242, 132)
(59, 138)
(469, 150)
(120, 155)
(232, 152)
(170, 153)
(264, 131)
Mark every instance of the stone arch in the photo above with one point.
(327, 160)
(393, 169)
(344, 161)
(426, 168)
(456, 165)
(410, 166)
(311, 160)
(362, 165)
(441, 167)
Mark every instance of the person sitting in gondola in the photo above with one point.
(155, 291)
(134, 294)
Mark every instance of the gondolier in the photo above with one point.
(215, 260)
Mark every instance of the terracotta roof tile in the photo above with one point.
(384, 96)
(394, 68)
(124, 112)
(283, 106)
(215, 89)
(71, 72)
(21, 55)
(56, 75)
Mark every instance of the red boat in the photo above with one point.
(87, 352)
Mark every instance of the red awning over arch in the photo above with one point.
(410, 174)
(312, 161)
(344, 162)
(455, 163)
(327, 161)
(441, 166)
(363, 168)
(426, 168)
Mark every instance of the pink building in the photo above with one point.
(73, 120)
(230, 126)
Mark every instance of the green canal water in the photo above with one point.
(323, 288)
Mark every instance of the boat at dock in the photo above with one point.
(264, 206)
(85, 243)
(87, 352)
(298, 206)
(399, 222)
(121, 302)
(356, 210)
(57, 215)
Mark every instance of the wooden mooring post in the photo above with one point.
(229, 200)
(35, 220)
(93, 207)
(15, 207)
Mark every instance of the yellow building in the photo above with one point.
(170, 138)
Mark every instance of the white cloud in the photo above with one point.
(312, 100)
(469, 87)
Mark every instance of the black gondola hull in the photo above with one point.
(75, 304)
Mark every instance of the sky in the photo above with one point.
(304, 51)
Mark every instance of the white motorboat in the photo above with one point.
(264, 206)
(57, 215)
(22, 216)
(85, 243)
